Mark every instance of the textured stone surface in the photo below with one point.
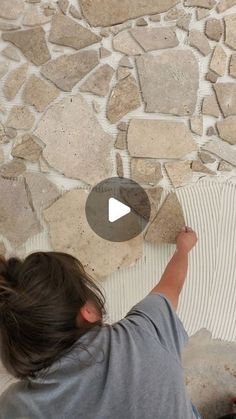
(70, 232)
(227, 129)
(11, 9)
(119, 165)
(3, 69)
(162, 90)
(121, 141)
(67, 70)
(155, 18)
(208, 4)
(31, 42)
(125, 62)
(198, 166)
(43, 192)
(230, 31)
(146, 171)
(202, 13)
(11, 53)
(155, 38)
(104, 53)
(198, 40)
(174, 14)
(37, 92)
(8, 26)
(98, 83)
(206, 158)
(214, 29)
(1, 156)
(17, 229)
(224, 166)
(163, 139)
(218, 61)
(210, 106)
(141, 22)
(126, 44)
(211, 131)
(20, 117)
(179, 173)
(225, 5)
(168, 223)
(33, 18)
(91, 163)
(12, 169)
(154, 195)
(226, 95)
(124, 98)
(111, 12)
(196, 124)
(184, 22)
(211, 76)
(65, 31)
(63, 5)
(26, 148)
(232, 66)
(222, 150)
(14, 81)
(75, 12)
(122, 72)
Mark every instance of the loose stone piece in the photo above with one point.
(124, 98)
(122, 72)
(11, 133)
(198, 166)
(12, 169)
(119, 165)
(123, 126)
(67, 70)
(179, 173)
(126, 44)
(20, 117)
(118, 28)
(4, 67)
(206, 158)
(214, 29)
(33, 18)
(91, 163)
(17, 229)
(163, 139)
(69, 232)
(63, 5)
(155, 38)
(154, 195)
(196, 124)
(211, 131)
(218, 61)
(224, 166)
(226, 96)
(111, 12)
(157, 76)
(202, 13)
(11, 53)
(222, 150)
(104, 53)
(184, 22)
(125, 62)
(174, 14)
(43, 192)
(232, 66)
(121, 140)
(230, 31)
(146, 171)
(31, 42)
(199, 41)
(211, 76)
(227, 129)
(11, 9)
(141, 22)
(210, 106)
(27, 148)
(75, 12)
(207, 4)
(168, 222)
(98, 83)
(8, 26)
(39, 93)
(14, 81)
(65, 31)
(155, 18)
(224, 5)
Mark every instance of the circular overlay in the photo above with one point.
(118, 209)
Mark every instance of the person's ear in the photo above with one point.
(89, 313)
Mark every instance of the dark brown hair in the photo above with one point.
(40, 298)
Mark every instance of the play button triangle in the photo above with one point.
(117, 210)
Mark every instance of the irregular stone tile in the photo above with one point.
(63, 5)
(154, 195)
(70, 232)
(118, 28)
(126, 44)
(227, 129)
(4, 67)
(12, 169)
(218, 61)
(11, 9)
(43, 192)
(33, 18)
(210, 106)
(196, 124)
(11, 132)
(168, 222)
(18, 221)
(224, 166)
(65, 31)
(37, 92)
(104, 53)
(214, 29)
(198, 166)
(75, 12)
(161, 88)
(207, 4)
(222, 150)
(1, 156)
(2, 249)
(31, 42)
(121, 140)
(199, 41)
(146, 171)
(206, 158)
(155, 18)
(20, 117)
(67, 70)
(202, 13)
(96, 106)
(11, 53)
(8, 26)
(44, 167)
(184, 22)
(211, 76)
(122, 126)
(179, 173)
(230, 31)
(27, 148)
(226, 96)
(111, 12)
(174, 14)
(163, 139)
(225, 5)
(141, 22)
(105, 32)
(155, 38)
(122, 72)
(119, 165)
(232, 66)
(211, 131)
(14, 81)
(125, 62)
(124, 98)
(91, 163)
(3, 136)
(98, 82)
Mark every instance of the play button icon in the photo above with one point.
(117, 209)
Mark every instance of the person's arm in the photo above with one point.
(173, 278)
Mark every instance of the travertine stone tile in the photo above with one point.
(98, 83)
(146, 171)
(14, 81)
(179, 173)
(20, 117)
(39, 93)
(227, 129)
(26, 147)
(43, 192)
(226, 96)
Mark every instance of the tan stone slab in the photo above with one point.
(179, 173)
(111, 12)
(32, 17)
(31, 42)
(11, 9)
(104, 53)
(155, 38)
(196, 124)
(225, 5)
(49, 9)
(202, 13)
(123, 126)
(67, 70)
(124, 98)
(161, 89)
(146, 171)
(168, 222)
(12, 169)
(70, 232)
(210, 106)
(224, 166)
(121, 140)
(218, 60)
(211, 131)
(207, 4)
(124, 42)
(141, 22)
(198, 40)
(65, 31)
(230, 31)
(155, 18)
(75, 12)
(125, 62)
(43, 192)
(122, 72)
(11, 133)
(91, 163)
(184, 22)
(118, 28)
(174, 14)
(37, 92)
(198, 166)
(211, 76)
(159, 139)
(20, 117)
(11, 53)
(232, 66)
(226, 96)
(63, 5)
(222, 150)
(227, 129)
(98, 82)
(4, 67)
(14, 81)
(8, 26)
(18, 221)
(214, 29)
(154, 195)
(119, 165)
(206, 158)
(26, 148)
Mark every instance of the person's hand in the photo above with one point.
(186, 240)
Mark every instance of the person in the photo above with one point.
(71, 363)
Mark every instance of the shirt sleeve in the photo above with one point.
(156, 314)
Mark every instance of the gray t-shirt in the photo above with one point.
(128, 370)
